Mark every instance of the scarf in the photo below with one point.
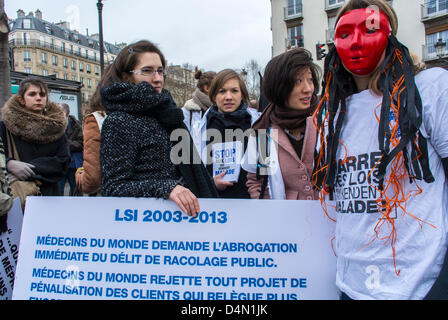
(238, 119)
(201, 99)
(285, 118)
(143, 99)
(32, 127)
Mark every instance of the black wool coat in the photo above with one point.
(136, 148)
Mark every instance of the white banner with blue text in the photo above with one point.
(146, 249)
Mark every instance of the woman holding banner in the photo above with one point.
(135, 138)
(224, 133)
(382, 126)
(280, 156)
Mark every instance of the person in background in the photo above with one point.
(195, 108)
(135, 138)
(75, 140)
(382, 126)
(229, 112)
(37, 127)
(88, 177)
(253, 104)
(291, 83)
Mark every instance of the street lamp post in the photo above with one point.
(99, 5)
(440, 48)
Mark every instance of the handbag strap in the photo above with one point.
(12, 149)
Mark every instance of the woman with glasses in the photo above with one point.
(135, 137)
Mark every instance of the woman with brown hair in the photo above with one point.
(223, 128)
(36, 127)
(135, 137)
(383, 157)
(280, 157)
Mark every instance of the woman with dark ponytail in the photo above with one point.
(382, 155)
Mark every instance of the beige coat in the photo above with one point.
(296, 173)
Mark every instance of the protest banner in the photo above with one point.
(227, 157)
(146, 249)
(9, 250)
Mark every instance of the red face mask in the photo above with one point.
(360, 39)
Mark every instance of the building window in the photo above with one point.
(28, 70)
(87, 54)
(71, 49)
(54, 60)
(431, 40)
(26, 38)
(26, 23)
(294, 7)
(434, 6)
(73, 65)
(64, 62)
(73, 78)
(63, 47)
(65, 76)
(45, 72)
(89, 83)
(44, 57)
(81, 79)
(88, 68)
(295, 36)
(26, 56)
(81, 66)
(96, 70)
(333, 2)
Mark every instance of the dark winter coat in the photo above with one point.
(74, 135)
(40, 140)
(136, 146)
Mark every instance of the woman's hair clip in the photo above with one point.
(131, 50)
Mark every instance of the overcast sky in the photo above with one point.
(212, 34)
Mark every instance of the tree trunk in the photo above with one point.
(5, 80)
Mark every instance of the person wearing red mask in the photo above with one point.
(383, 158)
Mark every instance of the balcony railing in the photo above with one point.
(429, 53)
(440, 9)
(50, 46)
(333, 4)
(293, 12)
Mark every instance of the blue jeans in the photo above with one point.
(70, 176)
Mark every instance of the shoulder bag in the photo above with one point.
(20, 189)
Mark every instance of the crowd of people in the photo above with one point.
(378, 116)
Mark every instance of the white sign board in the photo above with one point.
(70, 99)
(9, 250)
(146, 249)
(227, 157)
